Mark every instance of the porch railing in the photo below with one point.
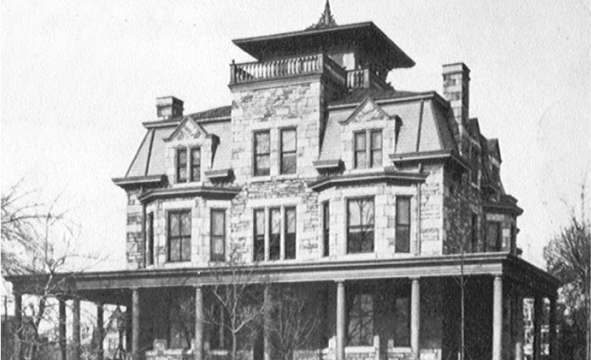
(283, 68)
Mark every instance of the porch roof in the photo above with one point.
(114, 284)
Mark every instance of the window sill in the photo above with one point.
(360, 349)
(255, 179)
(177, 264)
(188, 184)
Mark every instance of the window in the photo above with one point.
(475, 171)
(288, 156)
(290, 233)
(220, 334)
(493, 236)
(150, 239)
(360, 326)
(275, 234)
(181, 165)
(188, 170)
(368, 149)
(402, 321)
(259, 235)
(360, 151)
(179, 235)
(262, 151)
(218, 235)
(279, 230)
(326, 228)
(474, 233)
(402, 225)
(376, 148)
(195, 164)
(181, 320)
(360, 226)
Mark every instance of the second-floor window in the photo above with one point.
(474, 233)
(368, 149)
(360, 225)
(280, 232)
(188, 165)
(402, 224)
(218, 235)
(288, 156)
(493, 236)
(179, 235)
(262, 153)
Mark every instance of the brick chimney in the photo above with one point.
(169, 107)
(456, 89)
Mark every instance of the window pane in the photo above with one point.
(218, 222)
(259, 235)
(288, 140)
(326, 226)
(174, 224)
(262, 140)
(360, 329)
(288, 163)
(402, 239)
(354, 212)
(376, 140)
(376, 158)
(186, 248)
(182, 174)
(175, 249)
(195, 156)
(290, 220)
(275, 221)
(360, 142)
(262, 165)
(275, 237)
(403, 211)
(367, 212)
(290, 246)
(186, 223)
(492, 236)
(259, 219)
(181, 156)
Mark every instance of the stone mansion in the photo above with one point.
(383, 207)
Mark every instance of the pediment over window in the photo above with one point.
(367, 111)
(188, 129)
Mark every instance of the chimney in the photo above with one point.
(169, 107)
(456, 89)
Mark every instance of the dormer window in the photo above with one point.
(188, 171)
(368, 149)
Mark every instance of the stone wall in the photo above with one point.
(135, 241)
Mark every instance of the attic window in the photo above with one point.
(368, 149)
(188, 165)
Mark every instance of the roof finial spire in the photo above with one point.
(326, 19)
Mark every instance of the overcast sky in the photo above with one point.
(78, 78)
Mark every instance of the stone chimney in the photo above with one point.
(456, 89)
(169, 107)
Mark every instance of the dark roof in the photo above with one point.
(366, 34)
(358, 95)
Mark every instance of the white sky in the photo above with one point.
(78, 78)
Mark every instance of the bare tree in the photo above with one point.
(37, 242)
(568, 258)
(238, 301)
(292, 321)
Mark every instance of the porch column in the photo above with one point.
(552, 337)
(18, 316)
(340, 350)
(100, 324)
(537, 327)
(62, 328)
(266, 322)
(415, 318)
(497, 318)
(198, 351)
(76, 329)
(135, 323)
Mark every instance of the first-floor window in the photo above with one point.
(181, 320)
(402, 224)
(474, 233)
(220, 337)
(150, 239)
(218, 235)
(179, 235)
(493, 236)
(361, 320)
(402, 320)
(360, 225)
